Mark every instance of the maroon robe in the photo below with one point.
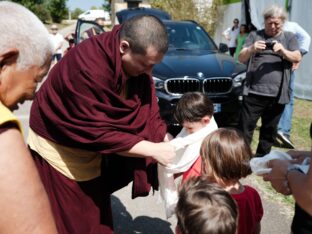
(79, 105)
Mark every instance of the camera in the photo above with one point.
(269, 45)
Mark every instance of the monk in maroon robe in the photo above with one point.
(95, 124)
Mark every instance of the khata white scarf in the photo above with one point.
(187, 151)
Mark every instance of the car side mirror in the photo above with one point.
(223, 47)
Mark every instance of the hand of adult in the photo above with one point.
(279, 48)
(295, 66)
(258, 46)
(277, 176)
(163, 153)
(299, 156)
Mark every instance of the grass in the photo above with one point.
(302, 118)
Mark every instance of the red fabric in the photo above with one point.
(79, 106)
(250, 210)
(76, 206)
(193, 171)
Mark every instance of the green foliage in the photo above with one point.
(38, 7)
(301, 121)
(207, 15)
(75, 13)
(107, 5)
(42, 12)
(58, 10)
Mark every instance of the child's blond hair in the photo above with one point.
(225, 155)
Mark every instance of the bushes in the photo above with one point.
(206, 14)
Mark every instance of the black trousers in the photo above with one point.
(254, 107)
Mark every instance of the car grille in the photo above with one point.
(217, 85)
(178, 86)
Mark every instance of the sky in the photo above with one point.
(84, 4)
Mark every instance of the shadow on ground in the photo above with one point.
(124, 223)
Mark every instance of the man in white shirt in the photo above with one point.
(57, 40)
(284, 125)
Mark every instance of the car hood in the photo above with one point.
(179, 63)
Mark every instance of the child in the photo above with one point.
(205, 208)
(225, 160)
(194, 112)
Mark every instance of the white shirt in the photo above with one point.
(57, 40)
(232, 34)
(303, 37)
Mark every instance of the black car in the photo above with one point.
(125, 14)
(194, 63)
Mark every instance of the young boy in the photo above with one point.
(205, 208)
(194, 112)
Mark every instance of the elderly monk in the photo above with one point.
(95, 124)
(25, 57)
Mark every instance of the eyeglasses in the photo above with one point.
(235, 22)
(54, 29)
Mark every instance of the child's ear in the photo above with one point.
(206, 119)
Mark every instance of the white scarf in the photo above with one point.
(187, 149)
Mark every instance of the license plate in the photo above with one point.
(217, 107)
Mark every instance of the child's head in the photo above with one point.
(194, 111)
(205, 208)
(225, 155)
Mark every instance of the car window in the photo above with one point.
(85, 29)
(189, 36)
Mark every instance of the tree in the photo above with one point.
(107, 5)
(206, 13)
(58, 10)
(42, 13)
(75, 13)
(38, 7)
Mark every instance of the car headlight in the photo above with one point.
(159, 84)
(238, 80)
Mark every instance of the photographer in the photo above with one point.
(269, 53)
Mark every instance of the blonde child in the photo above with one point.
(225, 160)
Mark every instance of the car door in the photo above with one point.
(86, 29)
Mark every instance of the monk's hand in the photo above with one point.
(163, 153)
(277, 176)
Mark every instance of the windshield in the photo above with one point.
(188, 36)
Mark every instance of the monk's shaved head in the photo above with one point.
(145, 31)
